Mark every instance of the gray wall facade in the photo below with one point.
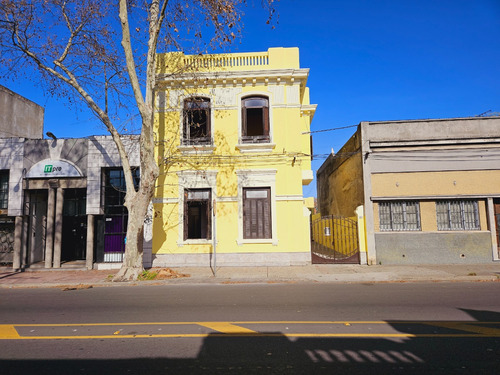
(19, 117)
(433, 248)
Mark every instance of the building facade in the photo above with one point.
(19, 117)
(430, 189)
(61, 202)
(233, 158)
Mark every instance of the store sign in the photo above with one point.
(53, 168)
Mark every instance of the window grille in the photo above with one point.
(4, 189)
(457, 215)
(399, 216)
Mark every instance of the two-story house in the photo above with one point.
(234, 154)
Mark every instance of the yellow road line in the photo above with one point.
(225, 327)
(7, 331)
(473, 329)
(256, 334)
(467, 327)
(391, 322)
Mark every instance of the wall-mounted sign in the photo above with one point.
(53, 168)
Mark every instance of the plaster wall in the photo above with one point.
(433, 247)
(340, 180)
(19, 117)
(11, 158)
(435, 184)
(226, 166)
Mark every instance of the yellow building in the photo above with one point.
(234, 153)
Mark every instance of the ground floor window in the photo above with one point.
(197, 214)
(457, 215)
(257, 213)
(112, 227)
(4, 189)
(399, 216)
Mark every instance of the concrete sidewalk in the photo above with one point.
(234, 275)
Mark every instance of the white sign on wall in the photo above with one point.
(53, 168)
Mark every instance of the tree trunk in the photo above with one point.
(137, 205)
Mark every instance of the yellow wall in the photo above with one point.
(435, 183)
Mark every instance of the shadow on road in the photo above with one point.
(274, 353)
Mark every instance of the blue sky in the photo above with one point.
(369, 60)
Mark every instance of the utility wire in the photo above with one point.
(329, 130)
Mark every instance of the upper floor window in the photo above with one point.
(113, 189)
(4, 189)
(399, 216)
(457, 215)
(255, 120)
(196, 119)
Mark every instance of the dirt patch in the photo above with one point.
(161, 274)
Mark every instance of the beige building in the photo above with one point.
(430, 189)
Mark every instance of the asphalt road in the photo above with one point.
(252, 328)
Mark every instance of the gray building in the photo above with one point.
(430, 189)
(62, 202)
(19, 117)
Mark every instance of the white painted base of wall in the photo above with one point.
(363, 259)
(107, 266)
(233, 260)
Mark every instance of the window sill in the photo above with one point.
(257, 241)
(256, 147)
(196, 149)
(195, 242)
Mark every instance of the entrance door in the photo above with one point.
(74, 230)
(36, 226)
(496, 205)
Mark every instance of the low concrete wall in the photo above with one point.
(433, 248)
(233, 260)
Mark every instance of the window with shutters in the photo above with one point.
(257, 213)
(255, 120)
(196, 121)
(197, 214)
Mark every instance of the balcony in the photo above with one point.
(274, 58)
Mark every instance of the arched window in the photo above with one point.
(255, 120)
(196, 121)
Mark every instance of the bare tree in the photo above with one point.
(105, 54)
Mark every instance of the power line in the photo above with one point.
(329, 130)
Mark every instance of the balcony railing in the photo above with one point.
(229, 62)
(274, 58)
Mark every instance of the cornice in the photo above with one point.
(235, 79)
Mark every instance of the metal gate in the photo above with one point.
(334, 239)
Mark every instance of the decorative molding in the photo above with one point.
(255, 147)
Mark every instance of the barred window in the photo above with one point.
(4, 188)
(457, 215)
(399, 216)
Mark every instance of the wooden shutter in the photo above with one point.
(265, 119)
(257, 215)
(186, 214)
(243, 118)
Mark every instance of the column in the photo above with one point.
(90, 242)
(490, 208)
(58, 227)
(18, 242)
(49, 241)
